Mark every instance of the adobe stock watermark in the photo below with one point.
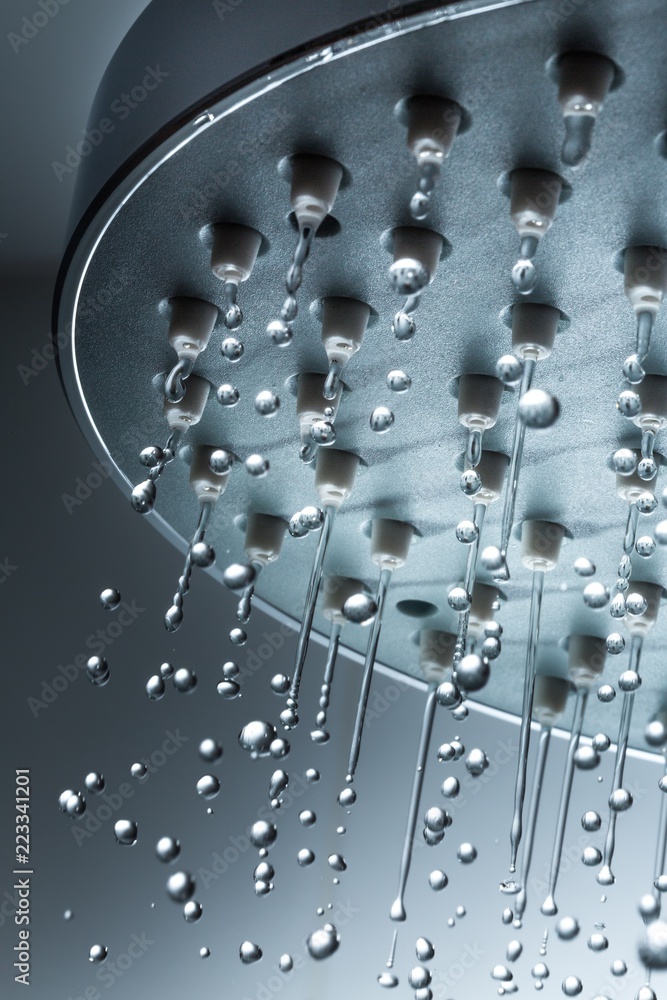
(84, 488)
(6, 570)
(119, 109)
(450, 978)
(95, 816)
(97, 643)
(116, 966)
(31, 25)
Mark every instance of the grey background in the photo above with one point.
(49, 610)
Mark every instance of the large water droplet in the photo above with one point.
(249, 952)
(323, 942)
(98, 953)
(256, 738)
(381, 419)
(437, 880)
(94, 782)
(538, 409)
(180, 887)
(185, 680)
(263, 834)
(192, 911)
(596, 595)
(125, 832)
(398, 381)
(208, 786)
(167, 849)
(110, 599)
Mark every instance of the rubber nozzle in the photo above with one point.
(264, 535)
(432, 126)
(315, 183)
(586, 659)
(645, 277)
(484, 597)
(550, 699)
(191, 325)
(334, 476)
(188, 411)
(234, 251)
(436, 653)
(541, 543)
(336, 590)
(390, 542)
(534, 197)
(534, 328)
(208, 485)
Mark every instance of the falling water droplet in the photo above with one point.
(514, 949)
(231, 349)
(584, 566)
(256, 738)
(210, 750)
(94, 782)
(256, 466)
(180, 887)
(97, 670)
(398, 381)
(509, 369)
(567, 928)
(208, 786)
(323, 942)
(185, 680)
(466, 853)
(167, 849)
(437, 880)
(98, 953)
(305, 857)
(596, 595)
(139, 770)
(125, 832)
(381, 419)
(572, 986)
(192, 911)
(155, 687)
(249, 952)
(538, 409)
(359, 609)
(263, 834)
(110, 599)
(606, 693)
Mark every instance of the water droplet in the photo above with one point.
(280, 333)
(263, 834)
(185, 680)
(419, 977)
(166, 671)
(257, 466)
(305, 857)
(285, 963)
(337, 862)
(567, 928)
(467, 532)
(424, 949)
(646, 503)
(628, 404)
(398, 381)
(110, 599)
(597, 942)
(470, 483)
(466, 853)
(227, 395)
(507, 916)
(231, 349)
(323, 942)
(572, 986)
(267, 403)
(620, 800)
(661, 883)
(586, 758)
(437, 880)
(388, 980)
(450, 787)
(249, 952)
(606, 693)
(323, 432)
(538, 409)
(633, 370)
(653, 947)
(192, 911)
(150, 457)
(125, 832)
(68, 914)
(629, 680)
(596, 595)
(256, 738)
(208, 786)
(97, 670)
(514, 949)
(472, 673)
(347, 798)
(649, 907)
(584, 566)
(229, 689)
(359, 609)
(167, 849)
(98, 953)
(210, 750)
(381, 419)
(180, 887)
(155, 688)
(509, 369)
(280, 684)
(94, 782)
(279, 748)
(476, 762)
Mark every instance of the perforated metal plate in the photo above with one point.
(145, 246)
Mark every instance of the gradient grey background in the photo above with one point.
(49, 604)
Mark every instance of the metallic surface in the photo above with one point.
(340, 101)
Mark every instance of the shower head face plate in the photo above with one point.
(146, 246)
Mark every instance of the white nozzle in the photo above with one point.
(390, 542)
(315, 183)
(630, 488)
(534, 328)
(541, 542)
(479, 401)
(208, 485)
(344, 323)
(264, 536)
(491, 469)
(550, 699)
(645, 274)
(334, 476)
(652, 593)
(652, 391)
(432, 126)
(412, 243)
(190, 326)
(534, 200)
(436, 653)
(188, 411)
(484, 596)
(234, 251)
(584, 79)
(336, 590)
(587, 656)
